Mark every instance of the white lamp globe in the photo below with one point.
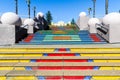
(112, 19)
(29, 22)
(40, 14)
(11, 19)
(93, 22)
(82, 14)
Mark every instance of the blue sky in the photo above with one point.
(63, 10)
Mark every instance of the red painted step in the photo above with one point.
(62, 49)
(73, 77)
(50, 68)
(65, 78)
(63, 54)
(95, 38)
(47, 60)
(29, 38)
(34, 68)
(65, 68)
(76, 60)
(78, 67)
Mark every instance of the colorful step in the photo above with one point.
(29, 38)
(63, 68)
(74, 60)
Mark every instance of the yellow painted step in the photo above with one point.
(59, 32)
(24, 61)
(106, 68)
(3, 61)
(11, 55)
(33, 54)
(28, 50)
(19, 68)
(113, 60)
(100, 60)
(106, 60)
(23, 78)
(13, 50)
(9, 61)
(91, 54)
(116, 68)
(95, 50)
(106, 78)
(2, 78)
(6, 68)
(41, 50)
(111, 54)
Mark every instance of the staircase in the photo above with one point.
(62, 37)
(59, 63)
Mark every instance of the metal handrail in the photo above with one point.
(101, 25)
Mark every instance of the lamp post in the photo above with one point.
(94, 7)
(106, 6)
(16, 6)
(34, 10)
(28, 4)
(89, 11)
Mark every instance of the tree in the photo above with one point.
(94, 7)
(106, 6)
(89, 11)
(16, 6)
(49, 17)
(28, 4)
(73, 22)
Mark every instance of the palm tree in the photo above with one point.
(89, 11)
(106, 6)
(28, 4)
(94, 6)
(16, 6)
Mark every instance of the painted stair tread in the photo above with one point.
(61, 73)
(65, 68)
(59, 60)
(4, 72)
(18, 64)
(63, 57)
(93, 73)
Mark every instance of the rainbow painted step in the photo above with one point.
(83, 37)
